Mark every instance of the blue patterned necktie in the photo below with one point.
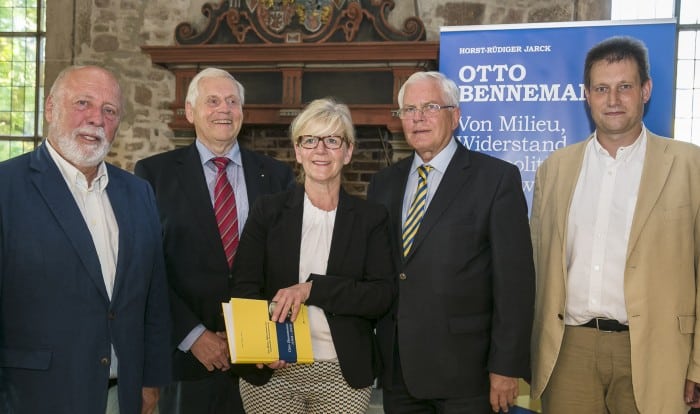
(417, 210)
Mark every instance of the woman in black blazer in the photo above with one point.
(319, 246)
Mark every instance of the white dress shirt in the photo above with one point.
(94, 205)
(598, 232)
(316, 235)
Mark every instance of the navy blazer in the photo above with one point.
(56, 320)
(198, 273)
(466, 289)
(359, 284)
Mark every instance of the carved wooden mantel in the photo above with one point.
(281, 77)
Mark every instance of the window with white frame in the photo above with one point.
(22, 38)
(687, 106)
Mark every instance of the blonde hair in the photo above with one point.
(322, 117)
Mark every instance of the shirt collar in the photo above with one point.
(73, 176)
(205, 155)
(440, 161)
(623, 153)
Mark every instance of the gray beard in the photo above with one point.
(79, 156)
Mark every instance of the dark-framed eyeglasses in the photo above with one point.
(427, 110)
(331, 142)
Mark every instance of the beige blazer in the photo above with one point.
(661, 273)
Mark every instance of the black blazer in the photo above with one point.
(359, 285)
(198, 273)
(466, 289)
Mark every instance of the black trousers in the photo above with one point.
(398, 400)
(217, 394)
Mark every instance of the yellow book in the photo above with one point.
(254, 338)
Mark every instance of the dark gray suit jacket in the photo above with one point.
(198, 273)
(466, 289)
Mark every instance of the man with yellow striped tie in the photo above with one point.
(458, 337)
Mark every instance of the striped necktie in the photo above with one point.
(417, 209)
(225, 209)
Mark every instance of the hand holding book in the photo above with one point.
(253, 338)
(288, 301)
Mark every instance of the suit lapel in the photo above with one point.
(293, 217)
(253, 173)
(194, 186)
(398, 187)
(657, 166)
(568, 170)
(118, 198)
(53, 188)
(342, 230)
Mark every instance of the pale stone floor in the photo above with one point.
(375, 402)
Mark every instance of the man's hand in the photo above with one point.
(692, 393)
(150, 397)
(504, 391)
(288, 301)
(211, 349)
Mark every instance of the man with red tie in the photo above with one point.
(204, 192)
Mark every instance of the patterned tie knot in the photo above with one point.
(220, 162)
(423, 171)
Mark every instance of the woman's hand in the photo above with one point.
(288, 301)
(274, 365)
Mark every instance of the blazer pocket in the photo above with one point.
(469, 324)
(26, 359)
(686, 324)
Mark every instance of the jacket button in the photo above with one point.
(110, 316)
(402, 276)
(104, 361)
(560, 316)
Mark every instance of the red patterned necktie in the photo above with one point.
(225, 209)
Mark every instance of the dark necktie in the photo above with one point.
(416, 211)
(225, 209)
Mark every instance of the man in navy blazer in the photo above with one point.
(197, 266)
(458, 338)
(82, 277)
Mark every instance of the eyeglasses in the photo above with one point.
(428, 111)
(331, 142)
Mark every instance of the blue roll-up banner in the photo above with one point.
(521, 86)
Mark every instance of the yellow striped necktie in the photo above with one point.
(417, 209)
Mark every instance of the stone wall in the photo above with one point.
(111, 32)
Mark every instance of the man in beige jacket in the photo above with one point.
(616, 236)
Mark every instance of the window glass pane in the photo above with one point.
(40, 91)
(684, 78)
(18, 73)
(682, 128)
(28, 124)
(43, 17)
(19, 20)
(690, 12)
(686, 45)
(6, 19)
(641, 9)
(5, 123)
(16, 148)
(684, 103)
